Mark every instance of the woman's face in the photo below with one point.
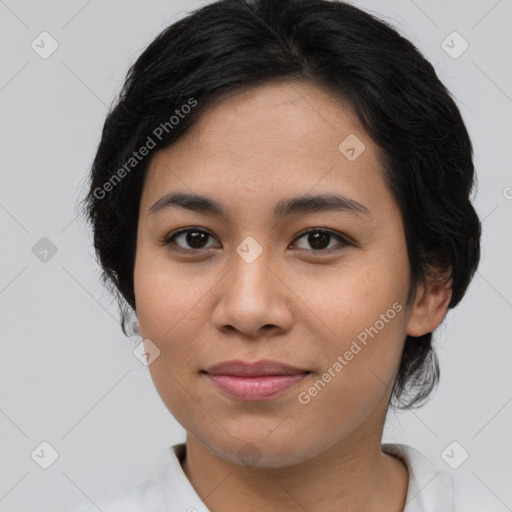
(252, 284)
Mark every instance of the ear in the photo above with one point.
(431, 304)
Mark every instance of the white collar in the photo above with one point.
(430, 489)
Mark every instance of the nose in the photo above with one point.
(254, 299)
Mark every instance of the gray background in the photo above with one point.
(68, 376)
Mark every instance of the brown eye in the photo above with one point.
(190, 239)
(322, 240)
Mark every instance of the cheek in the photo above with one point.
(167, 297)
(360, 368)
(360, 316)
(170, 313)
(350, 297)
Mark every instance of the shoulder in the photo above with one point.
(145, 496)
(153, 494)
(168, 490)
(433, 487)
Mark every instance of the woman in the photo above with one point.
(281, 197)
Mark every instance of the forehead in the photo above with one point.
(275, 114)
(276, 137)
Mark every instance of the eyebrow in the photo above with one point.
(296, 205)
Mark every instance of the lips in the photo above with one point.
(243, 369)
(254, 381)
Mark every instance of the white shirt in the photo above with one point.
(429, 490)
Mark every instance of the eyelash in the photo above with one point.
(169, 239)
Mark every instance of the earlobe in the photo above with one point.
(430, 306)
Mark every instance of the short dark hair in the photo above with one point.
(230, 45)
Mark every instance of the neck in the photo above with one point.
(351, 475)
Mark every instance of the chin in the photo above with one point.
(264, 453)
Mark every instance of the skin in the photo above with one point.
(293, 304)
